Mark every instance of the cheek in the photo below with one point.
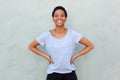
(53, 19)
(65, 19)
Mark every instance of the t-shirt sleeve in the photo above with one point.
(42, 39)
(77, 36)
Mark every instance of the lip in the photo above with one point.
(59, 21)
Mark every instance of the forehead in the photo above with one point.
(59, 11)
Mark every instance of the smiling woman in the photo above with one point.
(59, 16)
(60, 43)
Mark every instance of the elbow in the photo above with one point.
(91, 46)
(30, 47)
(33, 45)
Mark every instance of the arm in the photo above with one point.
(33, 48)
(88, 46)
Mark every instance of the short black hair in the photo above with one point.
(57, 8)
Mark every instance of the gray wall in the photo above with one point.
(21, 21)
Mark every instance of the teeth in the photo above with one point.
(59, 21)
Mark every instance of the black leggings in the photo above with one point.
(66, 76)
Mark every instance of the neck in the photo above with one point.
(60, 29)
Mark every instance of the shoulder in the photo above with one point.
(73, 32)
(76, 36)
(43, 35)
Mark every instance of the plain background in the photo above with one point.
(21, 21)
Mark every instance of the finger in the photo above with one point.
(51, 62)
(71, 62)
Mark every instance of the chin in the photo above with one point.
(60, 25)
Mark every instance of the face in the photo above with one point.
(59, 18)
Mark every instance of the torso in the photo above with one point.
(60, 47)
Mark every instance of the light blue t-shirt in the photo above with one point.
(60, 50)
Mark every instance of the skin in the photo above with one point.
(58, 32)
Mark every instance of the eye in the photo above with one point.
(55, 15)
(62, 15)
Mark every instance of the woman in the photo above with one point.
(60, 43)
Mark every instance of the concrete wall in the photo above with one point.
(21, 21)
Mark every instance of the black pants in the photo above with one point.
(58, 76)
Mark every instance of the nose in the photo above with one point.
(59, 17)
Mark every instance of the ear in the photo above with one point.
(53, 19)
(65, 19)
